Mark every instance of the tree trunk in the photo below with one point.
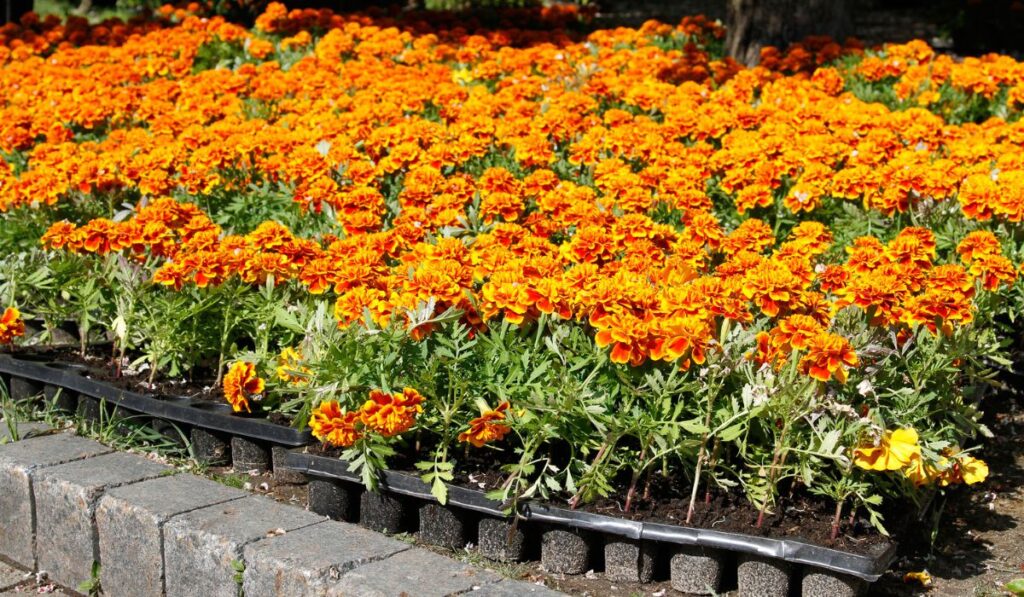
(11, 10)
(754, 24)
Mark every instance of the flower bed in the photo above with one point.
(605, 260)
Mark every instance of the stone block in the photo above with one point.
(501, 540)
(413, 572)
(22, 389)
(823, 583)
(566, 551)
(312, 559)
(283, 474)
(203, 548)
(336, 500)
(130, 521)
(89, 409)
(626, 560)
(443, 526)
(62, 399)
(758, 576)
(247, 455)
(11, 431)
(210, 448)
(65, 503)
(697, 570)
(18, 463)
(513, 588)
(11, 576)
(382, 512)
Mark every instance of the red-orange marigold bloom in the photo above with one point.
(240, 384)
(485, 428)
(828, 355)
(331, 425)
(11, 325)
(391, 414)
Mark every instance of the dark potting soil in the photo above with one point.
(101, 367)
(798, 516)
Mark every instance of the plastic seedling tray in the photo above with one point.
(35, 372)
(864, 567)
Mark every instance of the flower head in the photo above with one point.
(486, 428)
(391, 414)
(332, 426)
(242, 384)
(896, 450)
(11, 325)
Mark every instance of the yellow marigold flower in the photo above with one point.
(485, 428)
(289, 367)
(896, 450)
(11, 325)
(241, 384)
(331, 425)
(922, 578)
(391, 414)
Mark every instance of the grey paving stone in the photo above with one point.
(130, 522)
(312, 559)
(21, 430)
(65, 502)
(18, 461)
(202, 547)
(10, 576)
(413, 572)
(513, 588)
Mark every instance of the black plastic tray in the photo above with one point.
(204, 414)
(866, 567)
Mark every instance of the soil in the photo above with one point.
(797, 516)
(199, 386)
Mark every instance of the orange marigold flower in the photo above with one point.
(242, 384)
(828, 355)
(331, 425)
(391, 414)
(978, 243)
(11, 325)
(486, 428)
(993, 271)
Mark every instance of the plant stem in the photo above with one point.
(835, 519)
(575, 500)
(636, 477)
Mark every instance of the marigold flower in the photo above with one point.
(486, 428)
(290, 368)
(391, 414)
(894, 451)
(242, 384)
(828, 355)
(11, 325)
(331, 425)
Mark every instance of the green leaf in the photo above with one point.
(440, 491)
(695, 426)
(730, 433)
(1016, 587)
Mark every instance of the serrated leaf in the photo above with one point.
(440, 491)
